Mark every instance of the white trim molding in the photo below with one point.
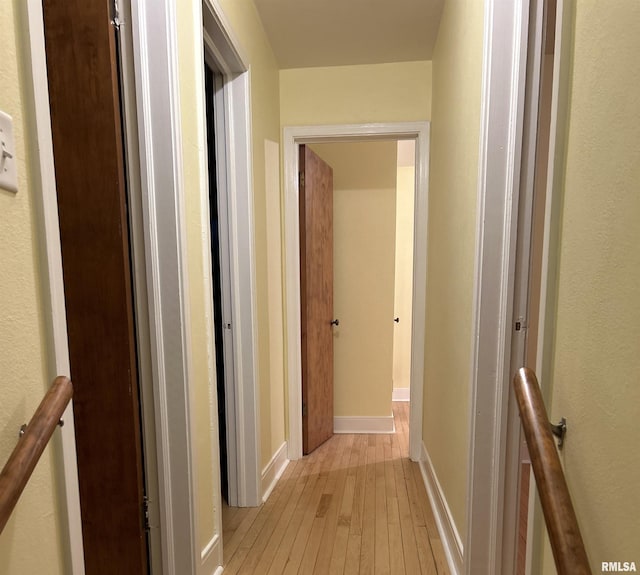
(401, 394)
(502, 112)
(360, 424)
(273, 471)
(157, 92)
(449, 535)
(155, 53)
(292, 138)
(211, 551)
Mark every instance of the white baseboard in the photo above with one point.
(356, 424)
(274, 470)
(400, 394)
(211, 556)
(449, 535)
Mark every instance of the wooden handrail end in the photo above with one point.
(26, 454)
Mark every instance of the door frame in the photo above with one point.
(236, 172)
(494, 453)
(293, 136)
(522, 285)
(560, 109)
(490, 497)
(241, 419)
(159, 115)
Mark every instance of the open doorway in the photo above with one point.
(226, 197)
(403, 288)
(218, 221)
(293, 138)
(366, 356)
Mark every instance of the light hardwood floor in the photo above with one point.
(356, 505)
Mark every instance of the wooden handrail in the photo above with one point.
(25, 456)
(564, 533)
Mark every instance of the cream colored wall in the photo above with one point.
(200, 304)
(364, 178)
(457, 71)
(403, 291)
(25, 373)
(596, 364)
(356, 94)
(276, 303)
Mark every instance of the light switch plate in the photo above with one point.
(8, 172)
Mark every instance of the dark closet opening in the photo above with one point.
(209, 76)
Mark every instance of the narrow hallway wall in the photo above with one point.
(593, 369)
(457, 73)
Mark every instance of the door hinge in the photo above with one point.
(115, 14)
(146, 524)
(301, 179)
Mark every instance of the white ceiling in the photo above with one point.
(308, 33)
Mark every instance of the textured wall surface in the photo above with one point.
(202, 350)
(457, 72)
(596, 365)
(356, 94)
(24, 373)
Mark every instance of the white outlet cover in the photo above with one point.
(8, 171)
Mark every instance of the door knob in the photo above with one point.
(335, 322)
(397, 320)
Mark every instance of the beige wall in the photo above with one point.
(356, 94)
(276, 302)
(201, 308)
(457, 71)
(364, 177)
(25, 372)
(596, 364)
(403, 292)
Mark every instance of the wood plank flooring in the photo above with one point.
(356, 505)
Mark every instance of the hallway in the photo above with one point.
(356, 505)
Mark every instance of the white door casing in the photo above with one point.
(503, 96)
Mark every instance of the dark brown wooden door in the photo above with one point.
(316, 295)
(89, 163)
